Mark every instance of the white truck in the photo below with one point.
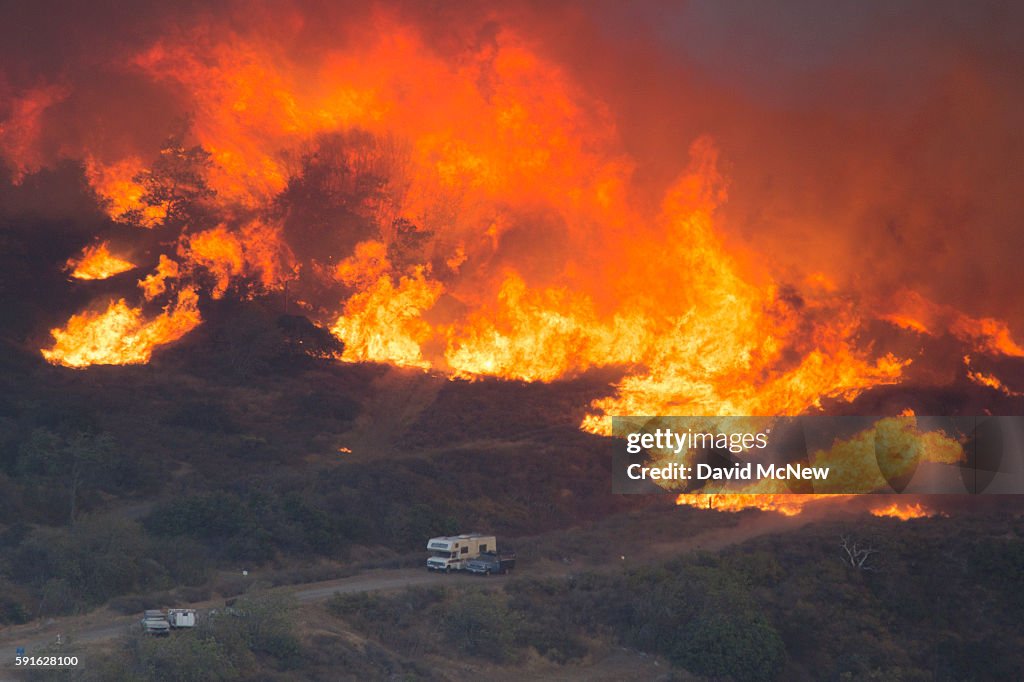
(453, 552)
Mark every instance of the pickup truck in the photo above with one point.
(492, 562)
(155, 623)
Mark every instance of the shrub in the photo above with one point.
(742, 646)
(479, 624)
(187, 657)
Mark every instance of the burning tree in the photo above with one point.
(174, 185)
(407, 249)
(340, 186)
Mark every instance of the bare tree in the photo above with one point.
(856, 555)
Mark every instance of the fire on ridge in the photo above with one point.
(475, 211)
(655, 289)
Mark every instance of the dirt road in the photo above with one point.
(104, 625)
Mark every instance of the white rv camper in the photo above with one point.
(451, 553)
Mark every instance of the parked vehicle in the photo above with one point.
(154, 622)
(492, 562)
(181, 618)
(450, 553)
(157, 622)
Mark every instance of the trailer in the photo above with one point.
(452, 552)
(181, 618)
(157, 622)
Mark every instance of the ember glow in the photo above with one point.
(96, 262)
(477, 201)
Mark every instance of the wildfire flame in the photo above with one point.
(903, 511)
(792, 505)
(986, 334)
(96, 262)
(993, 382)
(382, 323)
(254, 252)
(121, 335)
(989, 380)
(156, 284)
(476, 211)
(787, 505)
(115, 182)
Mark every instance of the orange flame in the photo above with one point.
(989, 380)
(121, 335)
(993, 382)
(365, 267)
(792, 505)
(986, 334)
(903, 511)
(537, 335)
(657, 294)
(156, 284)
(115, 183)
(787, 505)
(906, 322)
(542, 256)
(255, 251)
(990, 335)
(96, 262)
(382, 323)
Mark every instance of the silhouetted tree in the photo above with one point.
(175, 182)
(408, 246)
(340, 189)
